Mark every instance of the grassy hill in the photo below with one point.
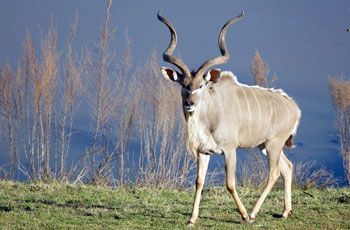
(64, 206)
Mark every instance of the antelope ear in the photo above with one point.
(213, 75)
(169, 74)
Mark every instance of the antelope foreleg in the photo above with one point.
(230, 166)
(202, 166)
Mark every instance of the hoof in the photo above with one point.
(248, 220)
(286, 214)
(190, 224)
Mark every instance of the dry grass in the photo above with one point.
(339, 90)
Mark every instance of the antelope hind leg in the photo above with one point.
(274, 149)
(286, 168)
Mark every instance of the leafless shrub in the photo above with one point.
(163, 158)
(101, 92)
(306, 175)
(3, 173)
(72, 91)
(339, 90)
(36, 93)
(125, 116)
(30, 69)
(34, 109)
(7, 107)
(261, 70)
(47, 86)
(253, 170)
(309, 175)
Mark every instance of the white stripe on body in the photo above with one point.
(260, 115)
(287, 109)
(270, 114)
(249, 114)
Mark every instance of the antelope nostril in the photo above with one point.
(189, 106)
(189, 103)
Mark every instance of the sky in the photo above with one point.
(303, 42)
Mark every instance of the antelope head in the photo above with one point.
(196, 83)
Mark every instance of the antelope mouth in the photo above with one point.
(189, 108)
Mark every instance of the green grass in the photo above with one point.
(62, 206)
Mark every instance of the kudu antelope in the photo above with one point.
(223, 115)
